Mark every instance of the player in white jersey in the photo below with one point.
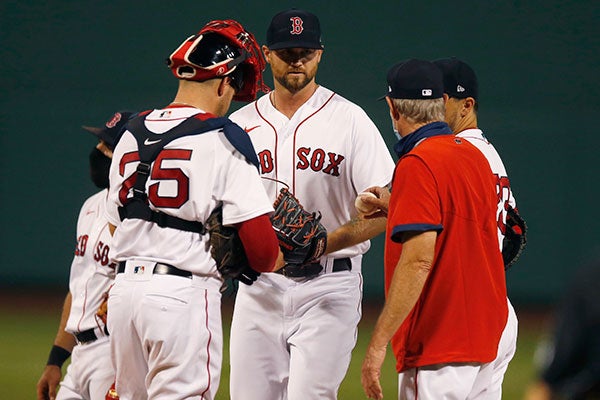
(292, 337)
(81, 334)
(164, 308)
(461, 93)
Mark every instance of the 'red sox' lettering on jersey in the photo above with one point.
(318, 160)
(327, 137)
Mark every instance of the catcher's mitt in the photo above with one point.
(515, 237)
(302, 238)
(228, 251)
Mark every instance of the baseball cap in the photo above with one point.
(111, 131)
(294, 28)
(415, 79)
(460, 80)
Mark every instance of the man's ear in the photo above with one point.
(393, 112)
(222, 86)
(468, 106)
(266, 53)
(445, 97)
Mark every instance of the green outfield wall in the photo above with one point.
(66, 63)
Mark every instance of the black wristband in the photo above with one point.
(58, 356)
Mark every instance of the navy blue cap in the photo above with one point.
(294, 28)
(111, 132)
(415, 79)
(460, 80)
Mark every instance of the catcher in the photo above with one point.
(172, 168)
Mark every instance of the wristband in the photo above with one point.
(58, 356)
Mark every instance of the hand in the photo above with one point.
(279, 263)
(382, 202)
(538, 391)
(46, 386)
(371, 372)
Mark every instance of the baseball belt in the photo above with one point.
(299, 271)
(88, 336)
(160, 269)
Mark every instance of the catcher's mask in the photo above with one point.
(222, 48)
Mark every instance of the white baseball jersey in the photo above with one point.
(92, 272)
(192, 176)
(505, 194)
(165, 329)
(327, 153)
(90, 373)
(290, 338)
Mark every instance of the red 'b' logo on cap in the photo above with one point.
(114, 120)
(297, 27)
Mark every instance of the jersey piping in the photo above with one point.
(276, 166)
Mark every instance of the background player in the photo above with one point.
(164, 317)
(445, 318)
(81, 334)
(292, 336)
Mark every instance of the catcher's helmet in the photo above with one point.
(221, 48)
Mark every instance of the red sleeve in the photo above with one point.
(260, 243)
(414, 203)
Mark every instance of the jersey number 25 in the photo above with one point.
(158, 173)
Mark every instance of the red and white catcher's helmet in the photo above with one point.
(222, 48)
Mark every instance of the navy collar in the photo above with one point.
(408, 142)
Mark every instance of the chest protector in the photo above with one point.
(151, 144)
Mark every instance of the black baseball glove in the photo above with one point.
(515, 237)
(302, 237)
(228, 251)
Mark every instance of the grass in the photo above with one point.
(28, 331)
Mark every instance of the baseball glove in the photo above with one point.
(228, 251)
(302, 238)
(515, 237)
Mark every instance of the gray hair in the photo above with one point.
(421, 111)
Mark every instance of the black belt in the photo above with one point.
(310, 270)
(160, 269)
(86, 336)
(342, 264)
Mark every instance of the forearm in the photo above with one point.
(403, 294)
(407, 284)
(355, 231)
(64, 339)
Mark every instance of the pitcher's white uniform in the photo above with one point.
(288, 334)
(91, 373)
(166, 329)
